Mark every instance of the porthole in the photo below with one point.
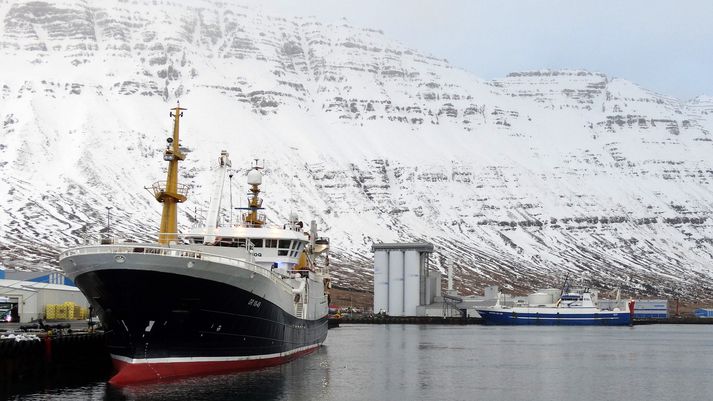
(120, 258)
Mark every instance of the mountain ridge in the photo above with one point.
(517, 180)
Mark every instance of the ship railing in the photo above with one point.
(108, 237)
(143, 248)
(260, 220)
(275, 277)
(160, 187)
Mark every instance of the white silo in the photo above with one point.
(381, 281)
(402, 280)
(396, 283)
(412, 282)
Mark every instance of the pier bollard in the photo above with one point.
(48, 349)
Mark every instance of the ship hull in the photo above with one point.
(554, 318)
(163, 325)
(141, 370)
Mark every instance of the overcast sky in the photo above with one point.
(665, 46)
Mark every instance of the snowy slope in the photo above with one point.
(516, 180)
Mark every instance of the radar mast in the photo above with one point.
(170, 192)
(254, 218)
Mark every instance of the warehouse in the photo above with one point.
(23, 296)
(643, 308)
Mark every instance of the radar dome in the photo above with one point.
(254, 177)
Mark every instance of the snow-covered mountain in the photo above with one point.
(517, 180)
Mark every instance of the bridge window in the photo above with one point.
(285, 247)
(195, 240)
(270, 243)
(257, 243)
(232, 242)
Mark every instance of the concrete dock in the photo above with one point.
(29, 359)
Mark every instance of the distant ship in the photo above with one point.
(570, 308)
(217, 299)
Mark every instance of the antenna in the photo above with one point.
(170, 192)
(230, 188)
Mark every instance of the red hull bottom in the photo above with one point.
(143, 371)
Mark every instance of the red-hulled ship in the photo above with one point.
(236, 297)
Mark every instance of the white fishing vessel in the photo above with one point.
(563, 307)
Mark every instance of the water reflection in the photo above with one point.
(266, 384)
(409, 362)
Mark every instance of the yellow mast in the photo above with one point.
(168, 193)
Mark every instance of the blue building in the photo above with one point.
(37, 277)
(704, 313)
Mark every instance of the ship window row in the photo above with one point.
(287, 252)
(285, 247)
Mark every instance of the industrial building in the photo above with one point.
(24, 295)
(404, 285)
(643, 308)
(703, 313)
(402, 279)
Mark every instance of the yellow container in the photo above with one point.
(72, 311)
(50, 312)
(61, 312)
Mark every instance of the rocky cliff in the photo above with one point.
(517, 181)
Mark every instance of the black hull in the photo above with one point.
(161, 316)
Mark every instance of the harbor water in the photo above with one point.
(433, 362)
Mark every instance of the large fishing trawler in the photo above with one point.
(554, 307)
(220, 298)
